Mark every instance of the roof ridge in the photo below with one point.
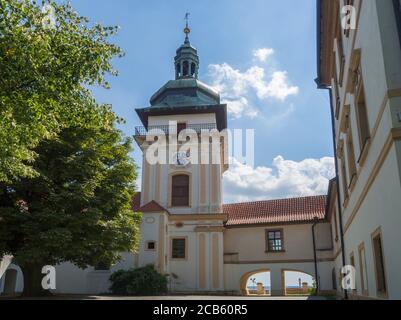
(286, 210)
(275, 200)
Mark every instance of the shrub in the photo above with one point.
(142, 281)
(312, 291)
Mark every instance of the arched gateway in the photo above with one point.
(245, 278)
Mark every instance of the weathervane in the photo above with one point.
(187, 31)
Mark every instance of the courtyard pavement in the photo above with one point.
(208, 298)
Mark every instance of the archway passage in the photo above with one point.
(297, 283)
(256, 283)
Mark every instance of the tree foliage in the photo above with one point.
(45, 72)
(78, 208)
(66, 178)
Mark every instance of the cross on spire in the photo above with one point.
(187, 18)
(186, 60)
(187, 30)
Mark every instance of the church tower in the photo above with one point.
(181, 199)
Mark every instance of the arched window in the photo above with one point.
(180, 191)
(178, 70)
(185, 69)
(193, 66)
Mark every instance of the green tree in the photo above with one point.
(46, 70)
(77, 209)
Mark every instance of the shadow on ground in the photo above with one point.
(161, 298)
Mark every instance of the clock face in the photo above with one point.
(181, 158)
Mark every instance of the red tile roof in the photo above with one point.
(276, 211)
(151, 206)
(260, 212)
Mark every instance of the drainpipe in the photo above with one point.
(340, 215)
(316, 221)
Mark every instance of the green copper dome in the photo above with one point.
(186, 94)
(186, 89)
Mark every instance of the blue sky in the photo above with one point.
(293, 146)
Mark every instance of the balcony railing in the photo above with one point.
(165, 129)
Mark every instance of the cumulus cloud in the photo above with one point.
(240, 106)
(278, 87)
(284, 179)
(263, 53)
(240, 89)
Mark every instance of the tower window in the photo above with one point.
(185, 69)
(180, 191)
(178, 70)
(193, 67)
(181, 126)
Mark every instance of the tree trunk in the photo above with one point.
(32, 273)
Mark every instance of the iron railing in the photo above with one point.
(165, 129)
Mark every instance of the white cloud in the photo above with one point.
(240, 106)
(263, 53)
(242, 90)
(278, 87)
(284, 179)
